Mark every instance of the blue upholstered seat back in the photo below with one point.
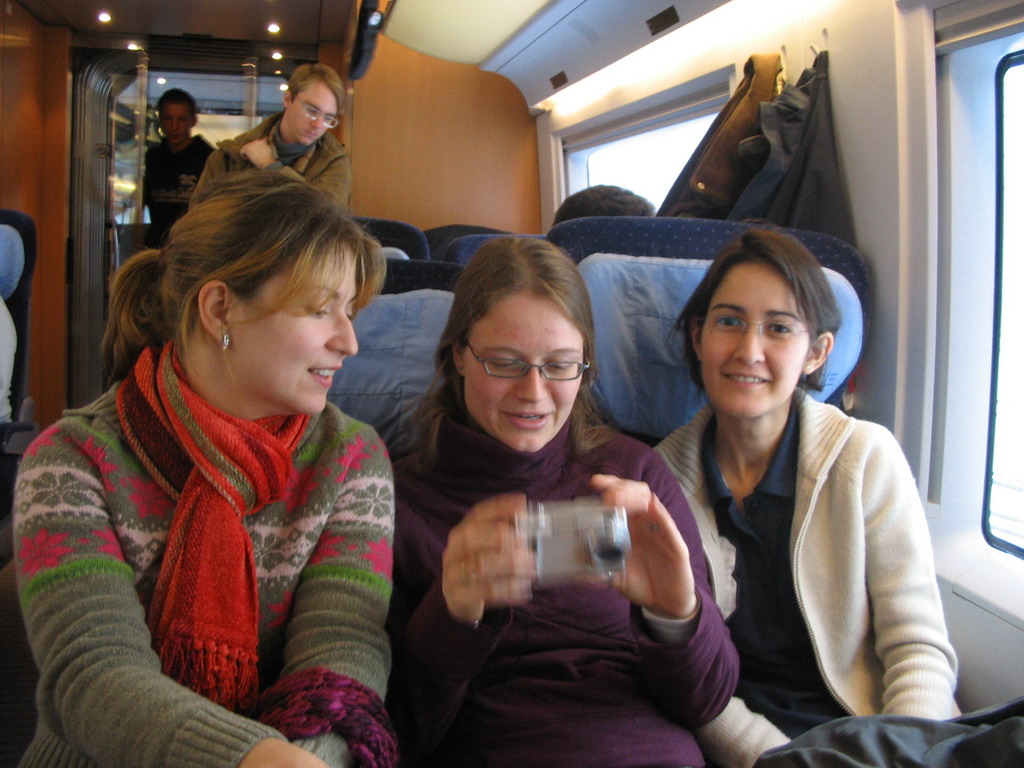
(679, 238)
(411, 274)
(12, 260)
(464, 248)
(643, 384)
(397, 234)
(383, 384)
(19, 226)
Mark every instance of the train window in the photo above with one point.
(1004, 501)
(646, 161)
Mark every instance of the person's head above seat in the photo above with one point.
(313, 103)
(256, 288)
(603, 200)
(515, 359)
(177, 115)
(763, 316)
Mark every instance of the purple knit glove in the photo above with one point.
(317, 700)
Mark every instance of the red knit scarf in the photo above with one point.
(204, 616)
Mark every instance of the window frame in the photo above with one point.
(1007, 62)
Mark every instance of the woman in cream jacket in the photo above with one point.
(817, 545)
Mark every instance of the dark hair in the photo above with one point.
(176, 96)
(793, 263)
(501, 268)
(603, 200)
(244, 229)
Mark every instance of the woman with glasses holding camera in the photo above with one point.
(294, 142)
(817, 544)
(492, 665)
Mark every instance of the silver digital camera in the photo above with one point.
(576, 539)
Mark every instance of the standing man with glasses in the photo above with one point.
(294, 142)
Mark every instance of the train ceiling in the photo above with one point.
(302, 22)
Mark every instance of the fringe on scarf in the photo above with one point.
(225, 674)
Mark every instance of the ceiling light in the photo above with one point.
(161, 81)
(104, 17)
(276, 55)
(273, 28)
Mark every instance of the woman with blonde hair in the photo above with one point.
(204, 552)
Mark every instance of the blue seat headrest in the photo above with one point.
(12, 260)
(643, 384)
(384, 383)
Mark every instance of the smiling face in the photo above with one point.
(296, 127)
(282, 362)
(747, 376)
(524, 413)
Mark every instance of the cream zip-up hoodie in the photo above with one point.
(863, 570)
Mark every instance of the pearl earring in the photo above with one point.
(226, 341)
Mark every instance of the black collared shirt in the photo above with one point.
(779, 676)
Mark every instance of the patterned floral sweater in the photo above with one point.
(90, 531)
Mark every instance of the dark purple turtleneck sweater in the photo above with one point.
(572, 679)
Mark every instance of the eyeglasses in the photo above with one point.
(774, 331)
(316, 116)
(510, 368)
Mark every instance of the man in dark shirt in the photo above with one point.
(173, 166)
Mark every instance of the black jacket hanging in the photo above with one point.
(799, 184)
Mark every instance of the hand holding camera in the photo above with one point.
(658, 576)
(487, 564)
(625, 538)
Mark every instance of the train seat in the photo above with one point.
(19, 677)
(17, 263)
(383, 384)
(462, 249)
(412, 274)
(441, 238)
(643, 385)
(397, 234)
(398, 332)
(691, 238)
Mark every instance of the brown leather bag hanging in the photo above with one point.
(715, 175)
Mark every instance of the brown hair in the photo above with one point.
(794, 264)
(306, 75)
(246, 228)
(503, 267)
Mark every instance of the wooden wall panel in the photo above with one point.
(35, 100)
(21, 144)
(48, 363)
(435, 142)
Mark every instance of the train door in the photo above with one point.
(114, 122)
